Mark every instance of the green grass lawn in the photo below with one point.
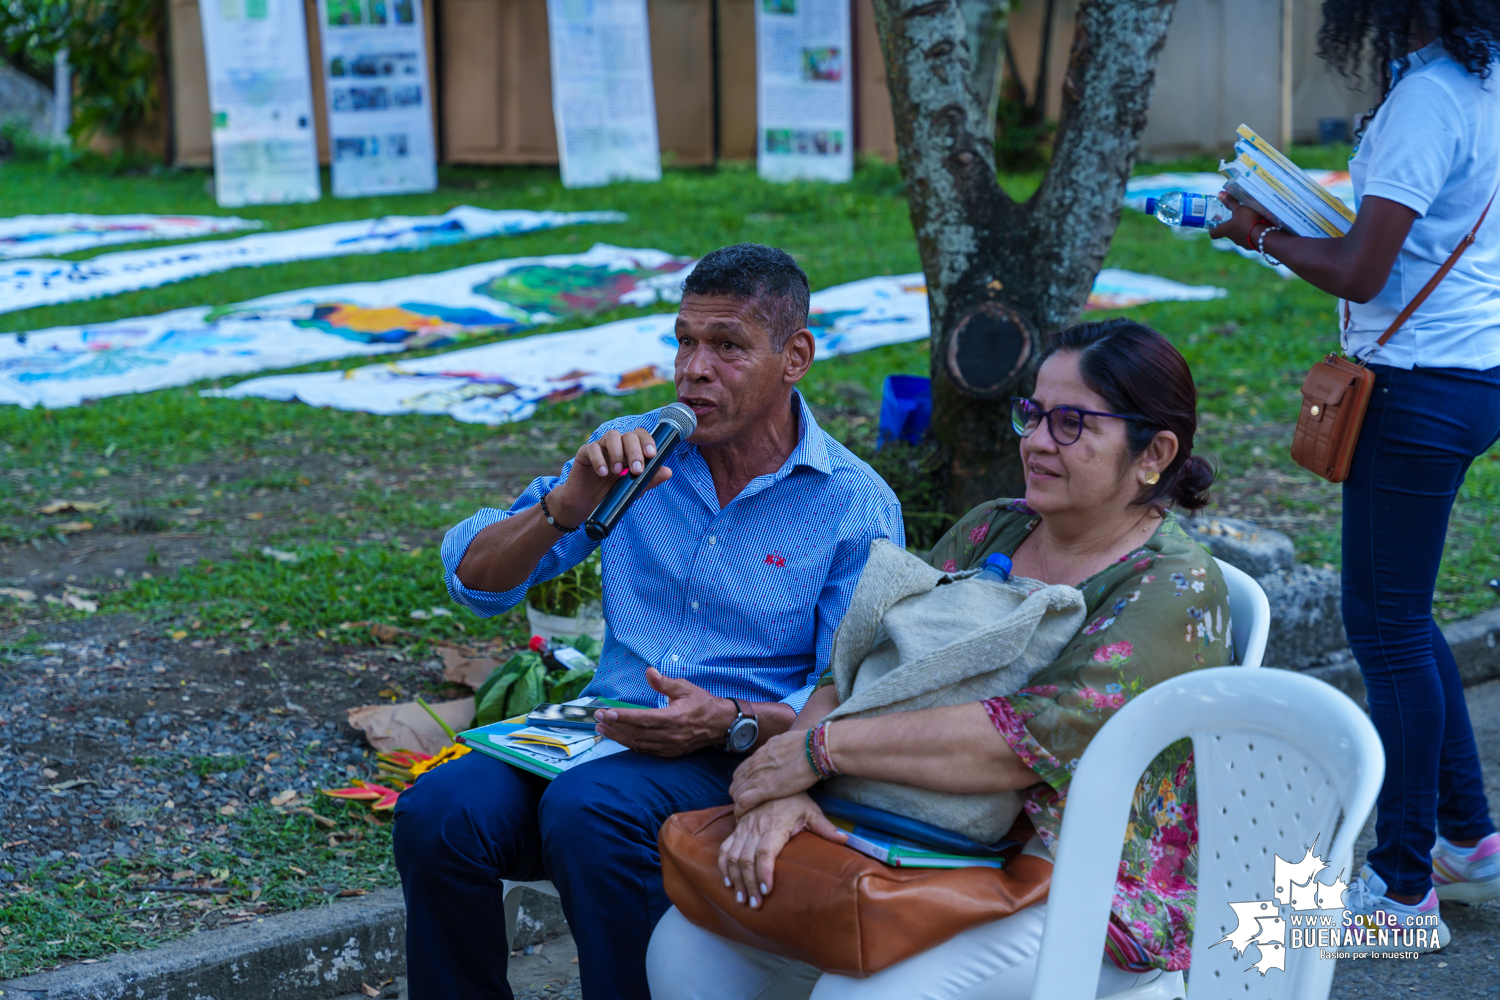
(358, 497)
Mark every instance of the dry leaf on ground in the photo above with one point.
(73, 527)
(19, 593)
(407, 726)
(368, 990)
(464, 666)
(72, 507)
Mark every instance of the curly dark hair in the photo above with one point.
(1382, 31)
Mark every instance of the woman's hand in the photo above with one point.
(1237, 229)
(748, 858)
(776, 770)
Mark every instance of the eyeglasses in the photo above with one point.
(1064, 423)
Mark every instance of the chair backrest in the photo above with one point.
(1279, 758)
(1249, 615)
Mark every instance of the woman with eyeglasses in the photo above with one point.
(1107, 442)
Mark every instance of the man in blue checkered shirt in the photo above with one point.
(723, 586)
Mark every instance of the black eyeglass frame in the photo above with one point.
(1016, 401)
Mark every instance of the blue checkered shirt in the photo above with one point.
(742, 601)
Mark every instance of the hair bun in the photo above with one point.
(1191, 485)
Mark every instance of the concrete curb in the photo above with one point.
(307, 955)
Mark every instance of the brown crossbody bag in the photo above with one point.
(1337, 391)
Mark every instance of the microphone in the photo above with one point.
(677, 425)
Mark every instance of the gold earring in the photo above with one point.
(1153, 479)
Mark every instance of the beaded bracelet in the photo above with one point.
(554, 521)
(817, 752)
(1260, 244)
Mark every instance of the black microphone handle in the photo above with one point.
(623, 493)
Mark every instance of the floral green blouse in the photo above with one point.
(1160, 611)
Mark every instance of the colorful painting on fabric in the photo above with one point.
(66, 365)
(503, 382)
(27, 283)
(48, 235)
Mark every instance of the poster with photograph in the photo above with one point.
(380, 130)
(804, 97)
(603, 99)
(260, 96)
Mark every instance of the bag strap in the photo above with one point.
(1442, 273)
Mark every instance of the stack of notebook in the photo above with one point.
(1259, 176)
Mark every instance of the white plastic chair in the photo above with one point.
(513, 904)
(1249, 615)
(1282, 760)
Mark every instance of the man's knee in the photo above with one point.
(473, 811)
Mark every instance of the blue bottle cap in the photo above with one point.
(1150, 206)
(999, 561)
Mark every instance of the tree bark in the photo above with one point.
(1002, 275)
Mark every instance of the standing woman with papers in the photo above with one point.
(1425, 170)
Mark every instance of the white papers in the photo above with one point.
(603, 100)
(1261, 177)
(28, 283)
(65, 365)
(804, 108)
(44, 235)
(260, 95)
(379, 102)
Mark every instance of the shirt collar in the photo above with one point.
(812, 446)
(1428, 53)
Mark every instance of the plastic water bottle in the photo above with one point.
(1189, 211)
(996, 568)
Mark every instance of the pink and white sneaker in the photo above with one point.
(1407, 926)
(1467, 874)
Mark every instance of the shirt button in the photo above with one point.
(674, 657)
(695, 605)
(712, 540)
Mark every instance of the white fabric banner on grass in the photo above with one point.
(66, 365)
(1117, 289)
(804, 98)
(603, 97)
(27, 283)
(47, 235)
(260, 97)
(504, 382)
(379, 102)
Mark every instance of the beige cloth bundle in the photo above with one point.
(916, 637)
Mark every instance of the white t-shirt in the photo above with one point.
(1434, 146)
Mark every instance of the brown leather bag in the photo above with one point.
(837, 909)
(1337, 391)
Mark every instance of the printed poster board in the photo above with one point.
(260, 99)
(603, 99)
(804, 100)
(380, 134)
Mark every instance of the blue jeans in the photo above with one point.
(1423, 429)
(472, 822)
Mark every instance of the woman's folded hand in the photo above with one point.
(778, 769)
(748, 858)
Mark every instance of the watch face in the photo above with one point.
(742, 735)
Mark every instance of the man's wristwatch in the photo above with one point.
(743, 732)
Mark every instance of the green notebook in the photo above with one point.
(492, 740)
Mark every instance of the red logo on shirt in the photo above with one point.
(775, 560)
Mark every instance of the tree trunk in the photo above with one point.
(1002, 275)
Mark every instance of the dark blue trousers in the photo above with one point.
(472, 822)
(1423, 429)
